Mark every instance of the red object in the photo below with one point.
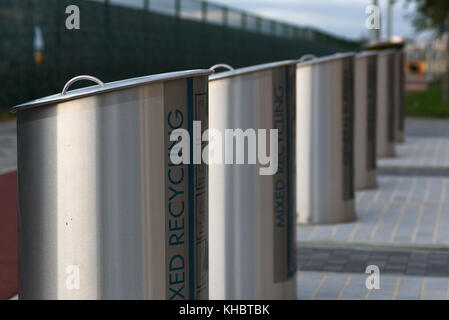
(9, 282)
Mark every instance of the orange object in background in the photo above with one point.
(9, 282)
(415, 75)
(416, 67)
(38, 57)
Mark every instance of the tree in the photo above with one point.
(434, 14)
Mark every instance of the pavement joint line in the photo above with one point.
(367, 294)
(379, 221)
(443, 191)
(359, 223)
(412, 189)
(396, 188)
(417, 223)
(398, 223)
(427, 193)
(435, 153)
(396, 288)
(437, 223)
(447, 291)
(377, 195)
(424, 150)
(315, 291)
(423, 289)
(345, 285)
(315, 228)
(334, 231)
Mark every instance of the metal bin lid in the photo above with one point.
(101, 87)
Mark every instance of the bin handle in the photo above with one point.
(222, 65)
(78, 78)
(307, 57)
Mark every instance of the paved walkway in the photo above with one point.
(426, 128)
(420, 152)
(403, 210)
(351, 286)
(402, 227)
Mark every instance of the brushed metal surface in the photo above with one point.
(92, 196)
(320, 143)
(385, 145)
(243, 253)
(365, 122)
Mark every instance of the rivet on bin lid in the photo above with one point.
(66, 95)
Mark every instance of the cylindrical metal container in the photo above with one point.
(365, 120)
(103, 212)
(386, 103)
(400, 92)
(252, 212)
(393, 75)
(325, 140)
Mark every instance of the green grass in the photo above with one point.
(426, 104)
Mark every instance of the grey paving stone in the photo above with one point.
(426, 128)
(393, 262)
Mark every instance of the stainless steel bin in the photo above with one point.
(325, 140)
(386, 107)
(391, 74)
(365, 120)
(103, 212)
(252, 216)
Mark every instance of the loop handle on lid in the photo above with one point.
(307, 57)
(222, 65)
(78, 78)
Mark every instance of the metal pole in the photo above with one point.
(390, 4)
(225, 16)
(375, 33)
(204, 11)
(178, 8)
(244, 21)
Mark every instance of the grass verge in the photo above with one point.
(426, 103)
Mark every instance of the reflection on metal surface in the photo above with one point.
(252, 216)
(103, 213)
(386, 104)
(325, 141)
(365, 121)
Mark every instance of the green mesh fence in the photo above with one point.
(121, 39)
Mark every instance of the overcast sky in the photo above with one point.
(341, 17)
